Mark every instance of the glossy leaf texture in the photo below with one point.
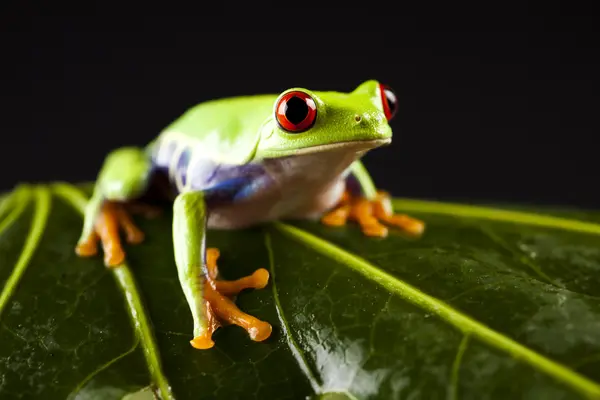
(491, 303)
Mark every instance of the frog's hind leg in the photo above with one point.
(124, 176)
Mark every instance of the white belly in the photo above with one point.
(304, 186)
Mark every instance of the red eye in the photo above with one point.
(296, 112)
(390, 101)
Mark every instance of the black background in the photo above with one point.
(507, 112)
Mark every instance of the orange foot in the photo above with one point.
(369, 213)
(221, 310)
(114, 215)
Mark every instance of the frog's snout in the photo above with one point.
(371, 125)
(368, 120)
(363, 121)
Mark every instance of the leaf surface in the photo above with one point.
(491, 303)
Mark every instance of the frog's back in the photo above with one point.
(211, 145)
(224, 130)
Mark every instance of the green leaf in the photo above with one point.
(489, 304)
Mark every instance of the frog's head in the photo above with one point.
(305, 121)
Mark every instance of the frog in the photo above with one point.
(237, 162)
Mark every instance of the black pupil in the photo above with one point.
(296, 110)
(391, 100)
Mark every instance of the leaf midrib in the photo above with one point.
(454, 317)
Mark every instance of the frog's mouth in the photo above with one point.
(357, 146)
(350, 145)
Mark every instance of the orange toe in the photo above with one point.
(114, 258)
(375, 230)
(260, 331)
(86, 249)
(202, 342)
(260, 278)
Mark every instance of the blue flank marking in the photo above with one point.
(246, 191)
(353, 185)
(221, 183)
(230, 190)
(182, 164)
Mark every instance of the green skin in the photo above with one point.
(236, 131)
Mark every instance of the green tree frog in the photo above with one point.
(235, 162)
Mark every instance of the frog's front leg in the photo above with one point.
(123, 177)
(197, 270)
(370, 209)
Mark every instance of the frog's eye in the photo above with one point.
(296, 112)
(389, 100)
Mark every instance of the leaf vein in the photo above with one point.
(38, 224)
(521, 257)
(6, 202)
(475, 288)
(529, 262)
(24, 196)
(461, 321)
(137, 312)
(104, 366)
(495, 214)
(294, 347)
(462, 348)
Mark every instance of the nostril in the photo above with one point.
(357, 118)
